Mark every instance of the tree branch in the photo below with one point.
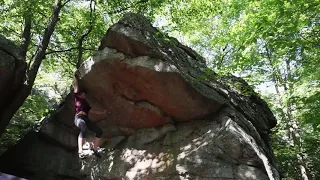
(68, 50)
(275, 78)
(40, 53)
(224, 55)
(26, 36)
(81, 39)
(59, 51)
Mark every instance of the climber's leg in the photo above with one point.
(81, 124)
(81, 141)
(96, 129)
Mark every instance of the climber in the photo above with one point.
(82, 121)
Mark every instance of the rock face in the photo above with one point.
(12, 69)
(170, 117)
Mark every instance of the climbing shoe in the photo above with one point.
(87, 145)
(99, 149)
(82, 155)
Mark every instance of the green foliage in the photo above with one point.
(272, 44)
(311, 113)
(25, 119)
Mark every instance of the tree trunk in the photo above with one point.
(84, 35)
(17, 99)
(285, 80)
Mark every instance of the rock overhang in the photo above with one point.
(136, 47)
(142, 91)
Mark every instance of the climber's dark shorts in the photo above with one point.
(83, 123)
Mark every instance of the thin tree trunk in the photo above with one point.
(292, 123)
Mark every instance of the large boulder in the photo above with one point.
(12, 71)
(170, 117)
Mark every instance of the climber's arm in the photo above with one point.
(97, 106)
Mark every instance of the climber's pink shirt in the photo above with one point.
(81, 104)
